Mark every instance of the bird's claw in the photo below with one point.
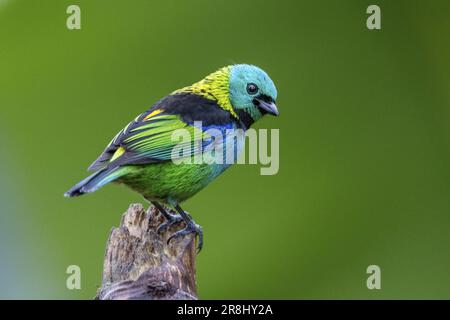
(168, 223)
(190, 228)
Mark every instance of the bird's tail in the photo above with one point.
(96, 181)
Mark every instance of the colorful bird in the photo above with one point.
(145, 155)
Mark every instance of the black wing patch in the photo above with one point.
(189, 107)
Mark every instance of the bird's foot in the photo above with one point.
(171, 219)
(191, 227)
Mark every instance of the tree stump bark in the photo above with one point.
(139, 264)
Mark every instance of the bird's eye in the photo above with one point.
(252, 88)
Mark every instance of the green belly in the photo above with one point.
(168, 182)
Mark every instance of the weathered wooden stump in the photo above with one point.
(139, 264)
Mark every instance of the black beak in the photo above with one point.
(266, 105)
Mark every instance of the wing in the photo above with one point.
(178, 121)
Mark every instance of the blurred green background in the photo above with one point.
(364, 140)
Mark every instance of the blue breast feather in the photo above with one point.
(225, 139)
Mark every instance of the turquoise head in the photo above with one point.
(252, 92)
